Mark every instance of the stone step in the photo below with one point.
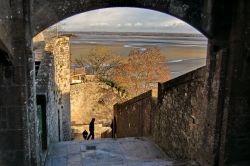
(108, 152)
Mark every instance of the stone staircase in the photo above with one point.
(109, 152)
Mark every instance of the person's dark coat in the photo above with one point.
(91, 129)
(92, 126)
(85, 134)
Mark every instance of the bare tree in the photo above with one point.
(101, 60)
(142, 72)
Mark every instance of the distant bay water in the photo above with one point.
(140, 40)
(185, 52)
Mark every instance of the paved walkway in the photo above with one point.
(108, 152)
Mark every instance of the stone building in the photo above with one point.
(225, 103)
(60, 49)
(52, 80)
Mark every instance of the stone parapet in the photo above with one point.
(133, 117)
(180, 118)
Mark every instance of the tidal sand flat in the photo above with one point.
(170, 52)
(183, 52)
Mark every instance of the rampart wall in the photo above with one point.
(133, 117)
(181, 118)
(178, 121)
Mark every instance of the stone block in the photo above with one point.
(3, 113)
(15, 117)
(3, 124)
(14, 96)
(11, 140)
(12, 158)
(18, 77)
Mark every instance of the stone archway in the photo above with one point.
(225, 23)
(46, 13)
(186, 11)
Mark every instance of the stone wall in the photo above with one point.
(45, 85)
(59, 47)
(236, 114)
(5, 28)
(92, 99)
(52, 83)
(180, 118)
(133, 117)
(226, 24)
(178, 121)
(45, 13)
(11, 112)
(46, 109)
(17, 101)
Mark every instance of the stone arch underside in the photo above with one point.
(226, 23)
(5, 56)
(45, 13)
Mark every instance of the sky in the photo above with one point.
(125, 20)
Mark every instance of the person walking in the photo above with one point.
(113, 128)
(92, 129)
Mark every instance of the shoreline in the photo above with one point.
(170, 52)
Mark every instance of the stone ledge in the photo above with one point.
(133, 100)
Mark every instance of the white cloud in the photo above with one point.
(126, 19)
(138, 24)
(99, 24)
(128, 24)
(174, 22)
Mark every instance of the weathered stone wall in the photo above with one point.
(17, 101)
(46, 13)
(180, 118)
(92, 99)
(225, 22)
(59, 47)
(133, 117)
(177, 123)
(236, 113)
(45, 85)
(5, 28)
(11, 112)
(52, 81)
